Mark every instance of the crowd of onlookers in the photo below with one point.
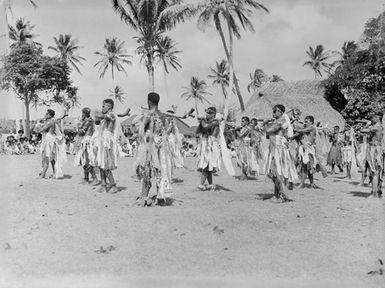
(19, 144)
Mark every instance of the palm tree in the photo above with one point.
(347, 49)
(147, 19)
(197, 91)
(167, 55)
(257, 78)
(67, 48)
(317, 62)
(21, 33)
(115, 57)
(233, 13)
(220, 76)
(117, 93)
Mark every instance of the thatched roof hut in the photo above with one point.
(307, 95)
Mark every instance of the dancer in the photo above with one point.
(279, 165)
(85, 155)
(244, 149)
(335, 156)
(52, 145)
(107, 146)
(295, 141)
(374, 157)
(256, 145)
(348, 151)
(307, 152)
(209, 152)
(153, 159)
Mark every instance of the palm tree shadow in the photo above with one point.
(177, 180)
(222, 188)
(360, 194)
(354, 183)
(172, 201)
(264, 196)
(121, 188)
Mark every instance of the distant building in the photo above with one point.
(307, 95)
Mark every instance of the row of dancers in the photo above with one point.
(293, 149)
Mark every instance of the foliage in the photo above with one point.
(117, 94)
(21, 33)
(115, 57)
(29, 73)
(67, 48)
(318, 58)
(357, 86)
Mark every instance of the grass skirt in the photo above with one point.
(279, 162)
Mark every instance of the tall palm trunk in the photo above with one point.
(240, 99)
(150, 70)
(196, 108)
(231, 83)
(165, 86)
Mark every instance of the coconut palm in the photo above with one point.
(147, 19)
(67, 49)
(197, 91)
(257, 78)
(117, 93)
(348, 48)
(21, 33)
(167, 56)
(234, 13)
(220, 76)
(115, 57)
(318, 58)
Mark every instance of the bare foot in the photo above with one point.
(102, 189)
(112, 189)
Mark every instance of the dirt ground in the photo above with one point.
(59, 233)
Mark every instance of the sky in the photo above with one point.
(278, 46)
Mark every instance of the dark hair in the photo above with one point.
(311, 118)
(253, 119)
(86, 111)
(246, 118)
(20, 131)
(109, 101)
(335, 127)
(51, 112)
(153, 97)
(280, 107)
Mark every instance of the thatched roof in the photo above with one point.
(307, 95)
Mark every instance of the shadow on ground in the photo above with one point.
(360, 194)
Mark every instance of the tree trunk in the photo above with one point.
(224, 92)
(196, 108)
(165, 86)
(150, 70)
(23, 115)
(27, 125)
(240, 98)
(231, 83)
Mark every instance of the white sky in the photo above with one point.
(278, 46)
